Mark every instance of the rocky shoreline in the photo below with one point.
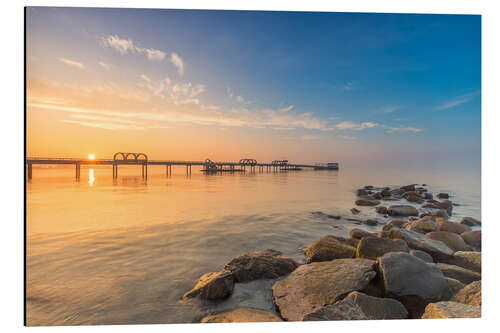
(419, 265)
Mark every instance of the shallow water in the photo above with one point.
(103, 251)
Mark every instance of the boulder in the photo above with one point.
(455, 285)
(413, 197)
(461, 274)
(437, 249)
(472, 238)
(447, 205)
(367, 202)
(458, 228)
(470, 260)
(359, 233)
(471, 222)
(361, 192)
(402, 210)
(442, 213)
(341, 310)
(398, 223)
(470, 294)
(330, 247)
(412, 281)
(374, 247)
(422, 255)
(423, 225)
(381, 209)
(408, 188)
(442, 195)
(443, 310)
(212, 286)
(371, 222)
(377, 308)
(453, 240)
(315, 285)
(267, 264)
(355, 211)
(241, 315)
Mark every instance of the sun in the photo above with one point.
(91, 157)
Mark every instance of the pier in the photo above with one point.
(122, 158)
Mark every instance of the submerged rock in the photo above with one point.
(315, 285)
(412, 281)
(241, 315)
(451, 310)
(330, 247)
(402, 210)
(470, 294)
(376, 308)
(453, 240)
(212, 286)
(461, 274)
(443, 195)
(267, 264)
(372, 248)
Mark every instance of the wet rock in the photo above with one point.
(386, 192)
(422, 255)
(361, 192)
(412, 281)
(470, 294)
(359, 233)
(446, 205)
(451, 310)
(395, 223)
(402, 210)
(437, 249)
(469, 259)
(372, 248)
(440, 213)
(381, 209)
(428, 196)
(212, 286)
(322, 215)
(461, 274)
(241, 315)
(449, 226)
(442, 195)
(451, 239)
(371, 222)
(369, 187)
(355, 211)
(376, 308)
(267, 264)
(423, 225)
(472, 238)
(383, 234)
(413, 197)
(408, 188)
(471, 222)
(315, 285)
(367, 202)
(342, 310)
(455, 285)
(330, 247)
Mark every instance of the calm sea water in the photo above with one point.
(104, 251)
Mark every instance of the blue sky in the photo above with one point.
(345, 82)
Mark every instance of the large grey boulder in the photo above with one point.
(374, 247)
(470, 294)
(461, 274)
(402, 210)
(313, 286)
(241, 315)
(212, 286)
(417, 241)
(331, 247)
(377, 308)
(267, 264)
(451, 239)
(443, 310)
(342, 310)
(412, 281)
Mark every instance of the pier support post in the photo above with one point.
(30, 171)
(77, 171)
(115, 171)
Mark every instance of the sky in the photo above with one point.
(358, 89)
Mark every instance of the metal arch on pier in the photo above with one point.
(248, 161)
(279, 162)
(135, 157)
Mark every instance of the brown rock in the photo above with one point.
(372, 247)
(469, 259)
(371, 222)
(212, 286)
(453, 240)
(267, 264)
(367, 202)
(472, 238)
(359, 233)
(402, 210)
(442, 195)
(423, 225)
(442, 310)
(458, 228)
(381, 209)
(471, 222)
(461, 274)
(355, 211)
(470, 294)
(342, 310)
(241, 315)
(330, 247)
(376, 308)
(437, 249)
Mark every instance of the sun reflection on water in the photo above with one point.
(91, 177)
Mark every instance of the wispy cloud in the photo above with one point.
(178, 62)
(105, 65)
(347, 125)
(389, 129)
(459, 100)
(72, 63)
(145, 78)
(124, 46)
(348, 86)
(389, 109)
